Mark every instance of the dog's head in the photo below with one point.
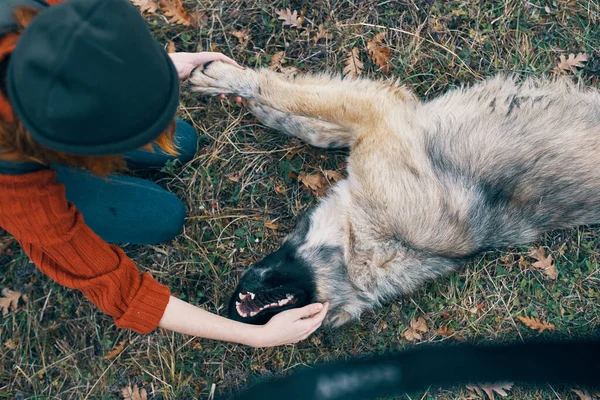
(289, 277)
(280, 281)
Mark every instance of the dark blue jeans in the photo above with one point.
(125, 209)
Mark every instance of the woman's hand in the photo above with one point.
(290, 326)
(186, 62)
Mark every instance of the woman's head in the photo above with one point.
(85, 83)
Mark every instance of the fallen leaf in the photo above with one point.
(545, 264)
(5, 244)
(353, 66)
(198, 19)
(146, 6)
(171, 47)
(416, 328)
(289, 72)
(380, 53)
(277, 61)
(10, 344)
(315, 182)
(572, 63)
(10, 300)
(322, 34)
(289, 18)
(134, 393)
(490, 388)
(175, 11)
(242, 36)
(536, 324)
(279, 189)
(118, 349)
(445, 331)
(333, 175)
(382, 326)
(271, 225)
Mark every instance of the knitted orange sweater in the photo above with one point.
(34, 209)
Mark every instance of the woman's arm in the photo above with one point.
(287, 327)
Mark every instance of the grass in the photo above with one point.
(52, 348)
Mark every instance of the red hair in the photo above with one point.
(16, 144)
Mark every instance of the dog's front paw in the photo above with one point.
(218, 77)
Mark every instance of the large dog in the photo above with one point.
(429, 184)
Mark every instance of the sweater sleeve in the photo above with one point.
(34, 209)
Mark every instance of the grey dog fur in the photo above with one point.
(429, 183)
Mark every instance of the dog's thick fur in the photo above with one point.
(429, 184)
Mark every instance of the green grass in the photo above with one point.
(58, 338)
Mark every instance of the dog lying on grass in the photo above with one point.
(430, 184)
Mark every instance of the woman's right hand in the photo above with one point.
(290, 326)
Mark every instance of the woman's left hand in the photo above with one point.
(186, 62)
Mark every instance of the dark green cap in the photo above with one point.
(87, 78)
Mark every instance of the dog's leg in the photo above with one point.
(325, 111)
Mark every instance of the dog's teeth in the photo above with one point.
(237, 303)
(252, 295)
(252, 314)
(242, 296)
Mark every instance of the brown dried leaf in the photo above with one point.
(146, 6)
(198, 19)
(333, 175)
(10, 300)
(175, 11)
(242, 36)
(277, 61)
(317, 183)
(290, 18)
(572, 63)
(380, 53)
(171, 47)
(490, 388)
(134, 393)
(271, 225)
(544, 263)
(280, 189)
(416, 328)
(118, 349)
(353, 66)
(445, 331)
(322, 34)
(536, 324)
(5, 243)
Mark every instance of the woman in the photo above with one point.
(84, 86)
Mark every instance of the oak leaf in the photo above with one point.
(416, 328)
(10, 300)
(572, 63)
(134, 393)
(175, 11)
(353, 66)
(322, 34)
(380, 53)
(277, 61)
(271, 225)
(118, 349)
(543, 263)
(290, 18)
(536, 324)
(317, 183)
(490, 388)
(445, 331)
(242, 36)
(333, 175)
(146, 6)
